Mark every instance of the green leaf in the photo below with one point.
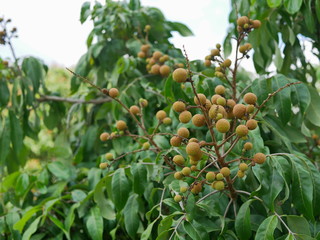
(120, 188)
(22, 184)
(242, 222)
(180, 28)
(16, 133)
(94, 224)
(278, 60)
(5, 93)
(85, 11)
(266, 229)
(318, 9)
(274, 3)
(70, 217)
(313, 111)
(261, 87)
(146, 233)
(134, 4)
(26, 216)
(300, 96)
(31, 229)
(5, 141)
(298, 224)
(60, 170)
(131, 217)
(60, 225)
(139, 173)
(191, 231)
(33, 69)
(292, 6)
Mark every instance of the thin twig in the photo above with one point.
(45, 98)
(206, 196)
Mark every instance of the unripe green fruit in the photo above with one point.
(167, 121)
(179, 160)
(218, 185)
(134, 110)
(219, 176)
(186, 171)
(222, 125)
(248, 146)
(252, 124)
(183, 132)
(161, 115)
(146, 146)
(193, 149)
(141, 54)
(218, 46)
(113, 92)
(210, 176)
(183, 189)
(104, 136)
(215, 52)
(180, 75)
(246, 26)
(250, 98)
(214, 98)
(225, 171)
(143, 102)
(243, 167)
(220, 89)
(178, 175)
(250, 108)
(221, 101)
(179, 106)
(175, 141)
(164, 70)
(198, 120)
(121, 125)
(185, 116)
(242, 131)
(156, 55)
(240, 174)
(202, 99)
(239, 110)
(219, 116)
(177, 198)
(147, 28)
(103, 165)
(219, 74)
(259, 158)
(109, 156)
(227, 63)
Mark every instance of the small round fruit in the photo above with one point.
(177, 198)
(134, 110)
(194, 168)
(218, 185)
(175, 141)
(160, 115)
(193, 140)
(146, 146)
(201, 97)
(243, 49)
(180, 75)
(179, 106)
(165, 70)
(250, 98)
(210, 176)
(208, 104)
(215, 98)
(207, 62)
(193, 149)
(183, 132)
(178, 175)
(185, 116)
(252, 124)
(104, 136)
(250, 108)
(239, 110)
(121, 125)
(222, 125)
(196, 188)
(259, 158)
(183, 189)
(231, 103)
(198, 120)
(113, 92)
(103, 165)
(156, 55)
(179, 160)
(147, 28)
(215, 110)
(227, 63)
(256, 24)
(155, 69)
(242, 130)
(196, 157)
(215, 52)
(242, 20)
(220, 89)
(225, 171)
(248, 46)
(221, 101)
(186, 171)
(145, 48)
(109, 156)
(167, 121)
(240, 174)
(248, 146)
(243, 167)
(218, 45)
(219, 176)
(141, 54)
(143, 102)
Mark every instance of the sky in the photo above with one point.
(51, 30)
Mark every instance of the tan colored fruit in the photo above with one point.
(113, 134)
(256, 24)
(243, 49)
(239, 110)
(215, 52)
(143, 102)
(259, 158)
(220, 89)
(215, 110)
(193, 162)
(179, 106)
(177, 198)
(178, 175)
(109, 156)
(193, 140)
(141, 54)
(242, 20)
(243, 167)
(218, 45)
(180, 75)
(231, 103)
(113, 92)
(161, 115)
(248, 46)
(145, 48)
(196, 188)
(252, 124)
(218, 185)
(103, 165)
(219, 176)
(214, 98)
(250, 108)
(221, 101)
(167, 121)
(104, 136)
(121, 125)
(156, 55)
(240, 174)
(210, 176)
(146, 146)
(185, 116)
(179, 160)
(250, 98)
(183, 189)
(194, 168)
(222, 125)
(201, 97)
(193, 149)
(152, 61)
(186, 171)
(208, 104)
(165, 70)
(155, 69)
(242, 130)
(134, 109)
(196, 157)
(198, 120)
(207, 62)
(175, 141)
(225, 171)
(183, 132)
(248, 146)
(147, 28)
(227, 63)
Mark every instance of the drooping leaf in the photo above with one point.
(242, 222)
(120, 188)
(292, 6)
(266, 229)
(94, 224)
(274, 3)
(131, 217)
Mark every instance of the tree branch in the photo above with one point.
(45, 98)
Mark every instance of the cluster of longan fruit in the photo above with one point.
(244, 24)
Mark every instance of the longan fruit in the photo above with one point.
(193, 149)
(210, 176)
(178, 175)
(193, 162)
(221, 101)
(121, 125)
(141, 54)
(179, 106)
(143, 102)
(248, 146)
(215, 52)
(242, 130)
(193, 140)
(183, 132)
(104, 136)
(240, 174)
(147, 28)
(196, 188)
(177, 198)
(239, 110)
(201, 97)
(196, 157)
(109, 156)
(145, 48)
(134, 110)
(183, 189)
(208, 104)
(227, 63)
(155, 69)
(243, 167)
(248, 46)
(179, 160)
(146, 146)
(175, 141)
(152, 61)
(259, 158)
(185, 116)
(219, 176)
(113, 134)
(194, 168)
(215, 110)
(198, 120)
(250, 98)
(243, 49)
(218, 45)
(160, 115)
(186, 171)
(207, 62)
(250, 108)
(222, 125)
(256, 24)
(103, 165)
(214, 98)
(225, 171)
(218, 185)
(220, 89)
(242, 20)
(167, 121)
(113, 92)
(164, 70)
(156, 55)
(180, 75)
(252, 124)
